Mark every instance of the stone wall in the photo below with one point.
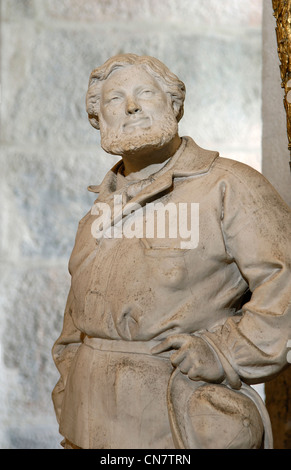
(275, 166)
(50, 153)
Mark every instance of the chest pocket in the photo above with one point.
(166, 263)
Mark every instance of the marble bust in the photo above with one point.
(180, 283)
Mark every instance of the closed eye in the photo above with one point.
(147, 93)
(113, 99)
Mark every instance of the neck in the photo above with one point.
(142, 158)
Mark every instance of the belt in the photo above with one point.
(116, 345)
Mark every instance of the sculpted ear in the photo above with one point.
(92, 103)
(94, 122)
(178, 109)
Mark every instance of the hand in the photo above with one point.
(193, 357)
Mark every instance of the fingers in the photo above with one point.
(173, 342)
(193, 357)
(183, 362)
(180, 356)
(183, 357)
(193, 373)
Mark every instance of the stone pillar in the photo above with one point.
(275, 166)
(275, 153)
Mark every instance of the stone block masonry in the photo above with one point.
(50, 153)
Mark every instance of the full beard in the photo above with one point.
(154, 137)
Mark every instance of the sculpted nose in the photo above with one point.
(132, 106)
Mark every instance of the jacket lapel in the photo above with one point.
(189, 160)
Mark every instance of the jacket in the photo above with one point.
(233, 288)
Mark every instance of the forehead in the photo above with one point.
(128, 78)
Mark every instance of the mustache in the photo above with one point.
(156, 135)
(143, 122)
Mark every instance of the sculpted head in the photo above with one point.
(135, 101)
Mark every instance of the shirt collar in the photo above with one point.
(189, 160)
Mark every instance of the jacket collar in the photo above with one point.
(189, 160)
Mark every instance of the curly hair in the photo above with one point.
(170, 83)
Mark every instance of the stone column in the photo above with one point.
(275, 161)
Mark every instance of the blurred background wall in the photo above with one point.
(50, 153)
(275, 166)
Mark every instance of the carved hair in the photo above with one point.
(169, 82)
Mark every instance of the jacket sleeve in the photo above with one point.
(67, 344)
(63, 352)
(256, 225)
